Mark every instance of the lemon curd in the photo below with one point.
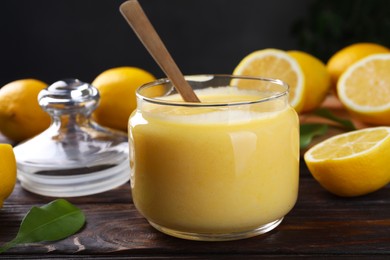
(202, 170)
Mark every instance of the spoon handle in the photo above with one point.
(139, 22)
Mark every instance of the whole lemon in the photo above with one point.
(7, 171)
(21, 117)
(350, 54)
(317, 79)
(117, 88)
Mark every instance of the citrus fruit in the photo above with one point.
(364, 89)
(277, 64)
(317, 79)
(353, 163)
(7, 171)
(117, 88)
(345, 57)
(21, 117)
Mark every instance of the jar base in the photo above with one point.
(219, 236)
(75, 185)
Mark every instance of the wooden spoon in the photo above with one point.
(139, 22)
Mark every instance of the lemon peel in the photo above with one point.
(117, 88)
(7, 171)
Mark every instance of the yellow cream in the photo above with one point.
(214, 171)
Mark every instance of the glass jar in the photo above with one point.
(223, 169)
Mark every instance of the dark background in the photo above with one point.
(55, 39)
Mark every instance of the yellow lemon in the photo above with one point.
(345, 57)
(364, 89)
(277, 64)
(117, 88)
(21, 117)
(7, 171)
(352, 164)
(317, 79)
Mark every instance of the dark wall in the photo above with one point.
(55, 39)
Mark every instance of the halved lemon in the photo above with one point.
(364, 89)
(342, 59)
(352, 164)
(277, 64)
(317, 79)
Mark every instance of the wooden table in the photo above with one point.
(321, 225)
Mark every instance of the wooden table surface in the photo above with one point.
(320, 225)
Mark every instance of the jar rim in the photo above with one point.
(162, 81)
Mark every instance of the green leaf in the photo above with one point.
(54, 221)
(325, 113)
(309, 131)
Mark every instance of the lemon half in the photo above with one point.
(352, 164)
(277, 64)
(317, 79)
(342, 59)
(364, 89)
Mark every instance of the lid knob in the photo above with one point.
(69, 96)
